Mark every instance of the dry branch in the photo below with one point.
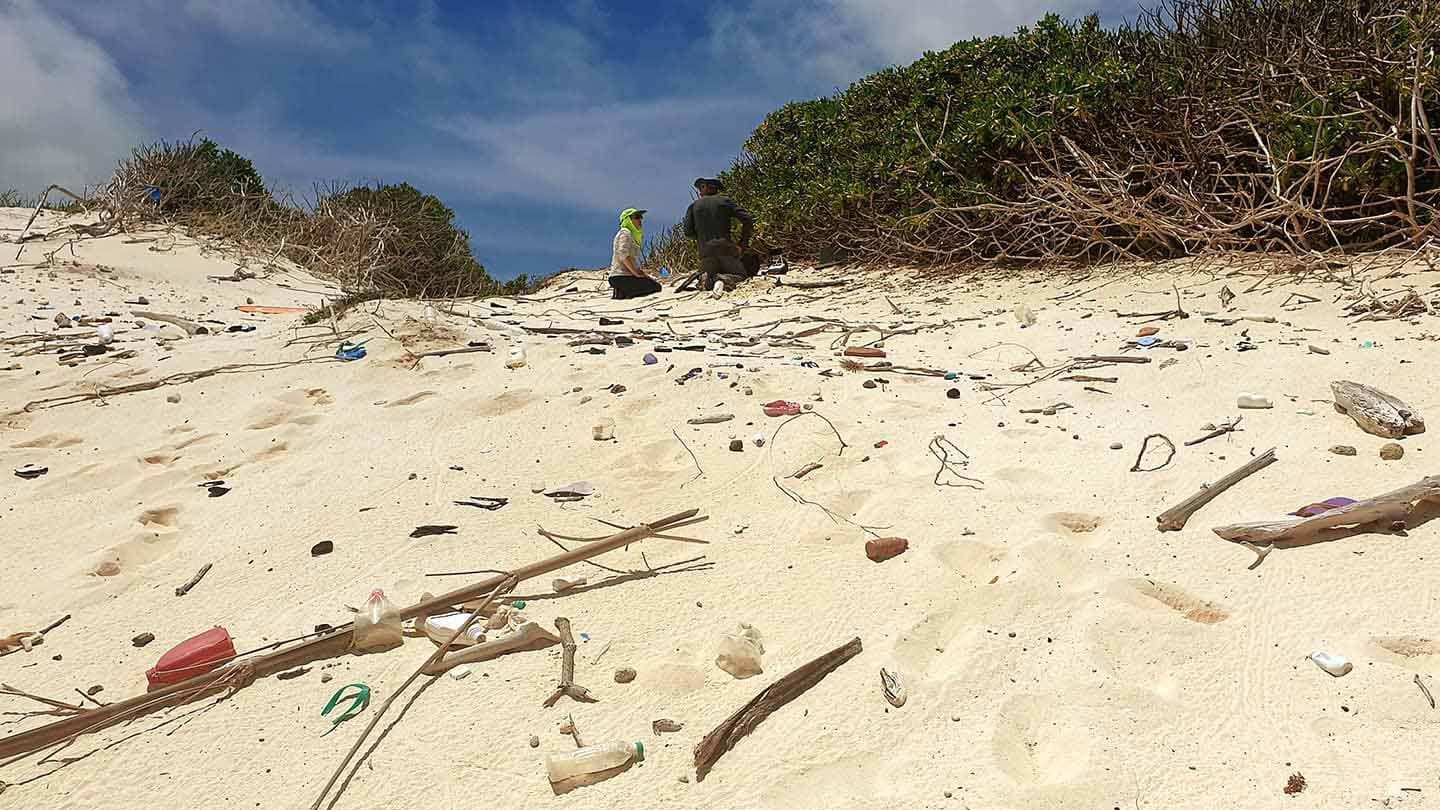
(1391, 512)
(190, 328)
(567, 669)
(195, 580)
(1174, 518)
(241, 672)
(773, 697)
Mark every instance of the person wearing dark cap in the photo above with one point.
(627, 280)
(710, 221)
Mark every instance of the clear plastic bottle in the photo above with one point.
(592, 759)
(377, 625)
(517, 356)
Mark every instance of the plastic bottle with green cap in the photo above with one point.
(593, 759)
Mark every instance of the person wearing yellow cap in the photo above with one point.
(627, 280)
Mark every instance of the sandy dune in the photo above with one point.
(1059, 651)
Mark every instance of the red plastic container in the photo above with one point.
(194, 656)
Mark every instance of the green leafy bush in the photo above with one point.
(1206, 124)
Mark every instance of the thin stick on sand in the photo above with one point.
(506, 584)
(244, 671)
(776, 695)
(1174, 518)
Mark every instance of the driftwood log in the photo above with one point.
(1174, 518)
(243, 671)
(567, 669)
(741, 723)
(190, 328)
(1394, 511)
(1375, 411)
(528, 636)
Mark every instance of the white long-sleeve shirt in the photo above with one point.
(624, 246)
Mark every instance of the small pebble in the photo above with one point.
(684, 778)
(1392, 452)
(737, 446)
(953, 393)
(326, 677)
(1116, 446)
(1317, 350)
(1343, 450)
(624, 675)
(95, 690)
(173, 399)
(585, 399)
(534, 741)
(868, 384)
(142, 639)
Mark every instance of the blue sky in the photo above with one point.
(536, 121)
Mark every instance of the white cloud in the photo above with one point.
(66, 113)
(831, 43)
(603, 157)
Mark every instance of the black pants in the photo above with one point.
(720, 260)
(632, 286)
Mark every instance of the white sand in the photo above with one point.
(1059, 652)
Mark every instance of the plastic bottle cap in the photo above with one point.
(639, 751)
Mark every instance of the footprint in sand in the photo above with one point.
(1037, 741)
(418, 396)
(158, 528)
(1172, 596)
(50, 440)
(1407, 647)
(974, 560)
(1073, 522)
(507, 402)
(159, 520)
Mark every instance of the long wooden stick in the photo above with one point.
(436, 656)
(741, 723)
(190, 328)
(1387, 512)
(1173, 519)
(195, 580)
(240, 673)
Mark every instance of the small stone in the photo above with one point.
(142, 639)
(1032, 421)
(1317, 350)
(948, 794)
(585, 399)
(953, 393)
(1343, 450)
(868, 384)
(1392, 452)
(326, 677)
(249, 301)
(624, 675)
(737, 446)
(534, 741)
(1117, 446)
(95, 690)
(537, 487)
(617, 388)
(749, 392)
(173, 399)
(1147, 331)
(684, 779)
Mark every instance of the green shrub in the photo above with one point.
(1208, 123)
